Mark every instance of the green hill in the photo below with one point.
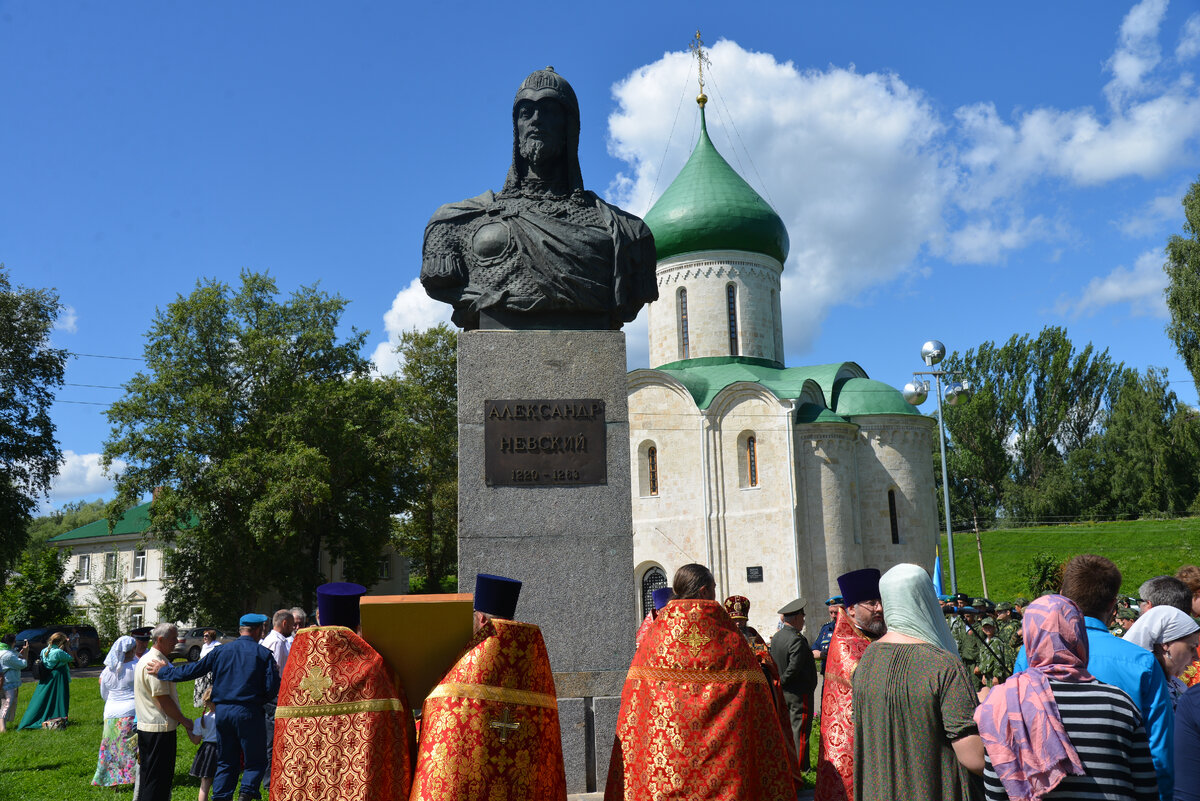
(1141, 548)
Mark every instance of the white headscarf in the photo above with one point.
(911, 607)
(114, 663)
(1160, 625)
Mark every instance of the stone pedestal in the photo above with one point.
(572, 546)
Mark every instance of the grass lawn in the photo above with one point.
(1141, 548)
(58, 765)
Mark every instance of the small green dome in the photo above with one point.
(710, 207)
(855, 397)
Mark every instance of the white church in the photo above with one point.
(778, 478)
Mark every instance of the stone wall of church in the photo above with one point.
(828, 525)
(705, 277)
(894, 456)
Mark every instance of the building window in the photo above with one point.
(684, 348)
(892, 514)
(110, 566)
(385, 568)
(751, 462)
(84, 574)
(139, 564)
(137, 615)
(652, 469)
(653, 579)
(731, 302)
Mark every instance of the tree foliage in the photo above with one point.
(270, 443)
(1044, 574)
(428, 533)
(68, 518)
(37, 594)
(1183, 284)
(30, 371)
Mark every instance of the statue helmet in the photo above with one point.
(539, 85)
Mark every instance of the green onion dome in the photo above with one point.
(710, 207)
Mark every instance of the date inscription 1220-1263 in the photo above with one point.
(537, 443)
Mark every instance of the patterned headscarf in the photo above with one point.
(911, 607)
(1019, 722)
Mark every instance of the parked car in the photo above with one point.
(84, 642)
(190, 641)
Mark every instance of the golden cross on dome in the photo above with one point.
(694, 640)
(505, 724)
(696, 46)
(316, 683)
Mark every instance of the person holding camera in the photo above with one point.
(11, 664)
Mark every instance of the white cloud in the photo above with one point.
(1137, 51)
(67, 321)
(983, 241)
(1150, 219)
(81, 475)
(1141, 288)
(1189, 39)
(852, 163)
(411, 308)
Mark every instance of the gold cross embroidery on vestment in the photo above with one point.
(315, 684)
(694, 640)
(505, 725)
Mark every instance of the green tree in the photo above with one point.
(68, 518)
(37, 593)
(428, 533)
(1183, 284)
(1150, 448)
(30, 371)
(272, 447)
(1044, 574)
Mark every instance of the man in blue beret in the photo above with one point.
(244, 679)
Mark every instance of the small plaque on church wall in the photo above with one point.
(754, 574)
(539, 443)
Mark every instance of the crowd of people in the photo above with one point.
(923, 698)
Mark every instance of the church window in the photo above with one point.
(652, 469)
(653, 579)
(892, 515)
(731, 303)
(751, 462)
(684, 347)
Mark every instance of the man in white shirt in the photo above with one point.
(299, 618)
(279, 643)
(158, 715)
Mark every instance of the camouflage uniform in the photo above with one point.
(968, 649)
(1000, 665)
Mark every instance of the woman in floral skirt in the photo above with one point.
(118, 744)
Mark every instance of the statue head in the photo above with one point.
(545, 131)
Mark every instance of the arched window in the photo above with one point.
(892, 515)
(652, 469)
(731, 303)
(653, 579)
(751, 462)
(684, 348)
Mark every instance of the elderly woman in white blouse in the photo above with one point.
(1171, 636)
(118, 745)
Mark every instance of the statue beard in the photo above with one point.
(539, 152)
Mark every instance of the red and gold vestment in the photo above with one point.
(697, 720)
(343, 731)
(835, 761)
(647, 621)
(489, 729)
(762, 651)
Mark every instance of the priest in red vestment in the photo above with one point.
(697, 720)
(738, 609)
(489, 730)
(343, 729)
(662, 597)
(859, 623)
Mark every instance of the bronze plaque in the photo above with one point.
(540, 443)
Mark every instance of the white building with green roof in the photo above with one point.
(778, 478)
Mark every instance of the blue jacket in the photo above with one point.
(243, 671)
(1136, 671)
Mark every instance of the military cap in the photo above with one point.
(1127, 614)
(988, 621)
(252, 619)
(1005, 606)
(1021, 601)
(142, 633)
(792, 608)
(833, 600)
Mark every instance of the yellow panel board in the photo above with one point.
(419, 636)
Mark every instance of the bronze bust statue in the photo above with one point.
(544, 253)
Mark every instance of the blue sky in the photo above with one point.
(946, 170)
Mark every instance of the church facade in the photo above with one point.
(778, 478)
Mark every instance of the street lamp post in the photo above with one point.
(915, 392)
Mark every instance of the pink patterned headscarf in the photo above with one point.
(1019, 722)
